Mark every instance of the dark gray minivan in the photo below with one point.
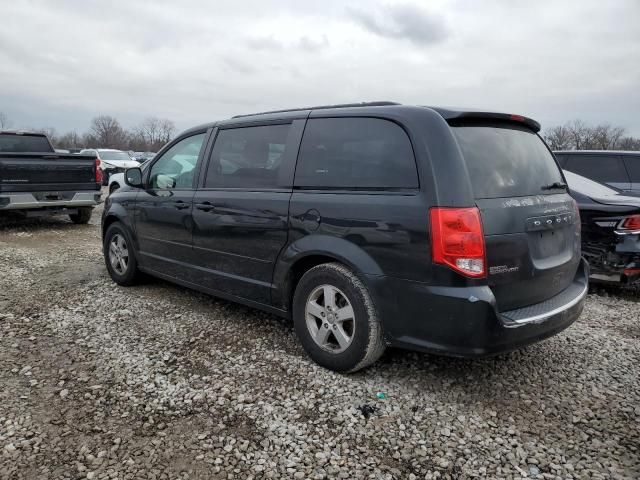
(440, 230)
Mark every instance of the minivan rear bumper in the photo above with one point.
(465, 322)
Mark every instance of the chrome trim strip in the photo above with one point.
(19, 201)
(555, 311)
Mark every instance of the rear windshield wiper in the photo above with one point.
(555, 185)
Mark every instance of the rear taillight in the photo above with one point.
(576, 211)
(98, 172)
(457, 240)
(631, 223)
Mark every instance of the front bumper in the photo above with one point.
(619, 265)
(37, 200)
(465, 322)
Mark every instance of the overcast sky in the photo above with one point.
(62, 62)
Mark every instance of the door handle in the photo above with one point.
(180, 205)
(205, 206)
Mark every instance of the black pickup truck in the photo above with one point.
(35, 180)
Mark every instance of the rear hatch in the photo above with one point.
(530, 223)
(29, 172)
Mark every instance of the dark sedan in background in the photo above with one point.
(610, 230)
(618, 169)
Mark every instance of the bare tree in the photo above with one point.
(89, 140)
(629, 143)
(4, 120)
(167, 130)
(605, 137)
(558, 138)
(579, 133)
(578, 136)
(153, 133)
(108, 132)
(149, 129)
(70, 140)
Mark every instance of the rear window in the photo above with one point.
(506, 161)
(602, 168)
(348, 153)
(110, 155)
(24, 143)
(562, 160)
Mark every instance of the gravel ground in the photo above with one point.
(159, 382)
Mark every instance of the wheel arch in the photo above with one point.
(125, 220)
(107, 222)
(310, 251)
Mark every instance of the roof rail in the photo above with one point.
(322, 107)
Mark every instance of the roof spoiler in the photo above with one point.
(453, 115)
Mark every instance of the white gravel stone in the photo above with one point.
(168, 383)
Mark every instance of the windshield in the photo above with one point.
(113, 155)
(587, 187)
(506, 161)
(10, 142)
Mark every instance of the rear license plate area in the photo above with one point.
(548, 243)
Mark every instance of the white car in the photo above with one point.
(115, 182)
(117, 179)
(111, 161)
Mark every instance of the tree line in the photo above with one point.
(577, 135)
(149, 136)
(106, 131)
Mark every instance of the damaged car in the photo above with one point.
(610, 230)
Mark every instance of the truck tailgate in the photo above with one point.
(42, 172)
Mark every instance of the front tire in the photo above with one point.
(82, 217)
(119, 255)
(336, 320)
(114, 186)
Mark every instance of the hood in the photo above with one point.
(120, 163)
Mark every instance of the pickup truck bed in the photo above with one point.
(44, 182)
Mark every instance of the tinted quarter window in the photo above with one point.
(633, 167)
(505, 161)
(602, 168)
(176, 167)
(355, 153)
(248, 157)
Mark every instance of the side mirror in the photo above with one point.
(133, 177)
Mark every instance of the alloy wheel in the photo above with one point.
(119, 254)
(330, 318)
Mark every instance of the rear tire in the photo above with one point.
(119, 255)
(114, 186)
(336, 320)
(83, 216)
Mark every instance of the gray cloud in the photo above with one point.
(313, 45)
(404, 21)
(264, 43)
(196, 61)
